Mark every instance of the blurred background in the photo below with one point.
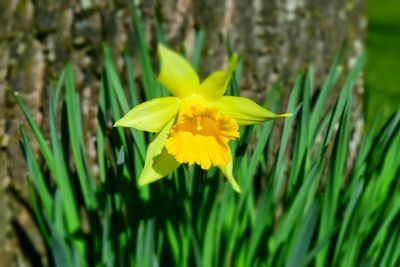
(382, 77)
(275, 38)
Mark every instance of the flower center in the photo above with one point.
(201, 136)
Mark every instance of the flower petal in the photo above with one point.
(216, 84)
(152, 115)
(176, 73)
(227, 171)
(245, 111)
(159, 162)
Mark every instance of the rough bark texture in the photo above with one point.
(275, 38)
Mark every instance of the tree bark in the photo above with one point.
(275, 38)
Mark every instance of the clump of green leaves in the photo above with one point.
(309, 205)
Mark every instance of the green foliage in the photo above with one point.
(311, 204)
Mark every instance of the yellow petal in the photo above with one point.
(201, 136)
(227, 171)
(216, 84)
(152, 115)
(245, 111)
(176, 73)
(158, 162)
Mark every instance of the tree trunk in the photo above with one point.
(275, 38)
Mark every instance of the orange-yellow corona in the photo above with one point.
(196, 123)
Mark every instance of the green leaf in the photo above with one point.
(284, 140)
(152, 90)
(36, 174)
(298, 254)
(197, 49)
(85, 175)
(320, 105)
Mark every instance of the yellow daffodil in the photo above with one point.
(196, 123)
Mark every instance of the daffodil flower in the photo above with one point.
(196, 123)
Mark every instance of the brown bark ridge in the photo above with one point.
(275, 38)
